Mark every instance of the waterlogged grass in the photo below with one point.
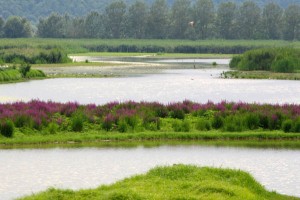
(260, 75)
(174, 182)
(76, 64)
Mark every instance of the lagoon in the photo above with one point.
(24, 171)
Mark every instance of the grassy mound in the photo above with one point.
(176, 182)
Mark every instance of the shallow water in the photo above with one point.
(25, 171)
(198, 85)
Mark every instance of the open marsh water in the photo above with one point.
(171, 85)
(24, 171)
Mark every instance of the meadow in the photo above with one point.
(174, 182)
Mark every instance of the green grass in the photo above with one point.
(174, 182)
(81, 45)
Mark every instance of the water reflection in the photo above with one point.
(27, 171)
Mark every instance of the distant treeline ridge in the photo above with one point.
(185, 19)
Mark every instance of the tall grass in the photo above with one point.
(137, 117)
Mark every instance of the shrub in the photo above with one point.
(52, 128)
(77, 122)
(7, 129)
(297, 126)
(287, 125)
(233, 123)
(252, 121)
(203, 125)
(152, 123)
(235, 61)
(284, 65)
(181, 126)
(122, 126)
(24, 69)
(177, 114)
(217, 122)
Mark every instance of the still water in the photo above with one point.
(198, 85)
(23, 172)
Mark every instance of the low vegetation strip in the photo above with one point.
(151, 120)
(174, 182)
(143, 45)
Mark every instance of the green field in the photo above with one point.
(175, 182)
(134, 45)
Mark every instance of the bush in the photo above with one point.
(287, 125)
(297, 126)
(52, 128)
(284, 65)
(77, 122)
(177, 114)
(7, 129)
(203, 125)
(122, 126)
(24, 69)
(217, 122)
(252, 121)
(181, 126)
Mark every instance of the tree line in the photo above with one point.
(185, 19)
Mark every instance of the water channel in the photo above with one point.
(30, 170)
(174, 85)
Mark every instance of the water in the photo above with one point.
(23, 172)
(198, 85)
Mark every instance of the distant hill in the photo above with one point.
(34, 9)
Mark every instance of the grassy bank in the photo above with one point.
(176, 182)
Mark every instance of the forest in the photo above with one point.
(159, 19)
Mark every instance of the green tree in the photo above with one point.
(17, 27)
(2, 22)
(115, 24)
(204, 18)
(226, 20)
(249, 20)
(94, 25)
(51, 27)
(157, 24)
(272, 21)
(180, 17)
(137, 20)
(292, 22)
(77, 30)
